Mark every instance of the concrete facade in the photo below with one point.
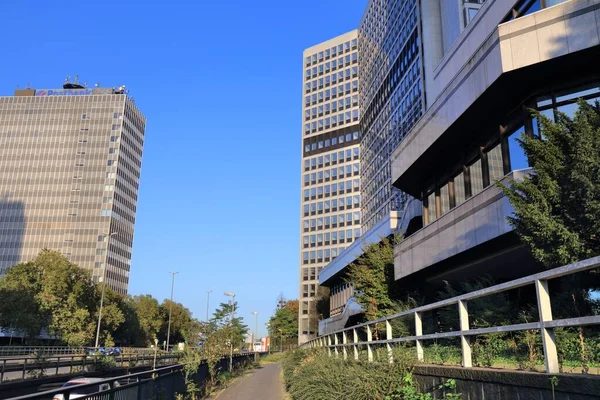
(330, 187)
(70, 164)
(510, 58)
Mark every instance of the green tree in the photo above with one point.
(19, 306)
(181, 319)
(237, 330)
(149, 316)
(372, 276)
(557, 208)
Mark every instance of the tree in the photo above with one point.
(149, 316)
(557, 208)
(181, 319)
(69, 296)
(19, 306)
(372, 276)
(222, 320)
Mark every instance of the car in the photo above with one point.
(84, 391)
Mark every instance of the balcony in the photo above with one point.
(476, 221)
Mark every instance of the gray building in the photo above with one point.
(330, 187)
(70, 162)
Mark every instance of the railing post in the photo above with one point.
(335, 342)
(3, 368)
(548, 340)
(24, 367)
(465, 341)
(419, 332)
(57, 365)
(329, 345)
(388, 337)
(369, 346)
(345, 343)
(355, 340)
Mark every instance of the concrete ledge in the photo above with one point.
(475, 383)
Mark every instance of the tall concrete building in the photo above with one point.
(70, 163)
(331, 194)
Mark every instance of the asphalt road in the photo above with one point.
(262, 384)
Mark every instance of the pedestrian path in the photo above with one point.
(264, 383)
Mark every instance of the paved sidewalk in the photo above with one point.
(262, 384)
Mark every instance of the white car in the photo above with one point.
(84, 391)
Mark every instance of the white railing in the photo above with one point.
(546, 325)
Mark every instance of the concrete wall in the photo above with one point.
(484, 51)
(479, 219)
(493, 384)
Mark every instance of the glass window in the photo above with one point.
(459, 189)
(495, 164)
(431, 216)
(444, 199)
(518, 158)
(476, 177)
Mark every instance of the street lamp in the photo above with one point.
(255, 334)
(269, 333)
(281, 341)
(104, 235)
(170, 310)
(232, 295)
(208, 292)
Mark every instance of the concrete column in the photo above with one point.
(369, 346)
(388, 336)
(548, 340)
(465, 341)
(419, 332)
(345, 343)
(355, 340)
(335, 341)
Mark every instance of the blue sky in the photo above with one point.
(221, 85)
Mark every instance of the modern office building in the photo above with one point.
(331, 194)
(70, 163)
(392, 99)
(451, 123)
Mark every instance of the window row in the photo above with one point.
(332, 220)
(325, 239)
(331, 122)
(331, 52)
(332, 174)
(334, 76)
(341, 204)
(341, 89)
(319, 256)
(327, 190)
(333, 158)
(333, 107)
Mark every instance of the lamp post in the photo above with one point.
(104, 235)
(255, 334)
(170, 310)
(281, 341)
(208, 292)
(269, 333)
(232, 295)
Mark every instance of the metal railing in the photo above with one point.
(139, 386)
(10, 351)
(12, 369)
(161, 383)
(545, 325)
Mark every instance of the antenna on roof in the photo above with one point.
(28, 85)
(68, 78)
(85, 85)
(76, 79)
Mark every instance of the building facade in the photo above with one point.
(512, 57)
(391, 97)
(70, 164)
(331, 192)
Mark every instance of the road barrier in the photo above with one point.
(347, 340)
(12, 369)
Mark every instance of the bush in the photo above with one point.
(311, 374)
